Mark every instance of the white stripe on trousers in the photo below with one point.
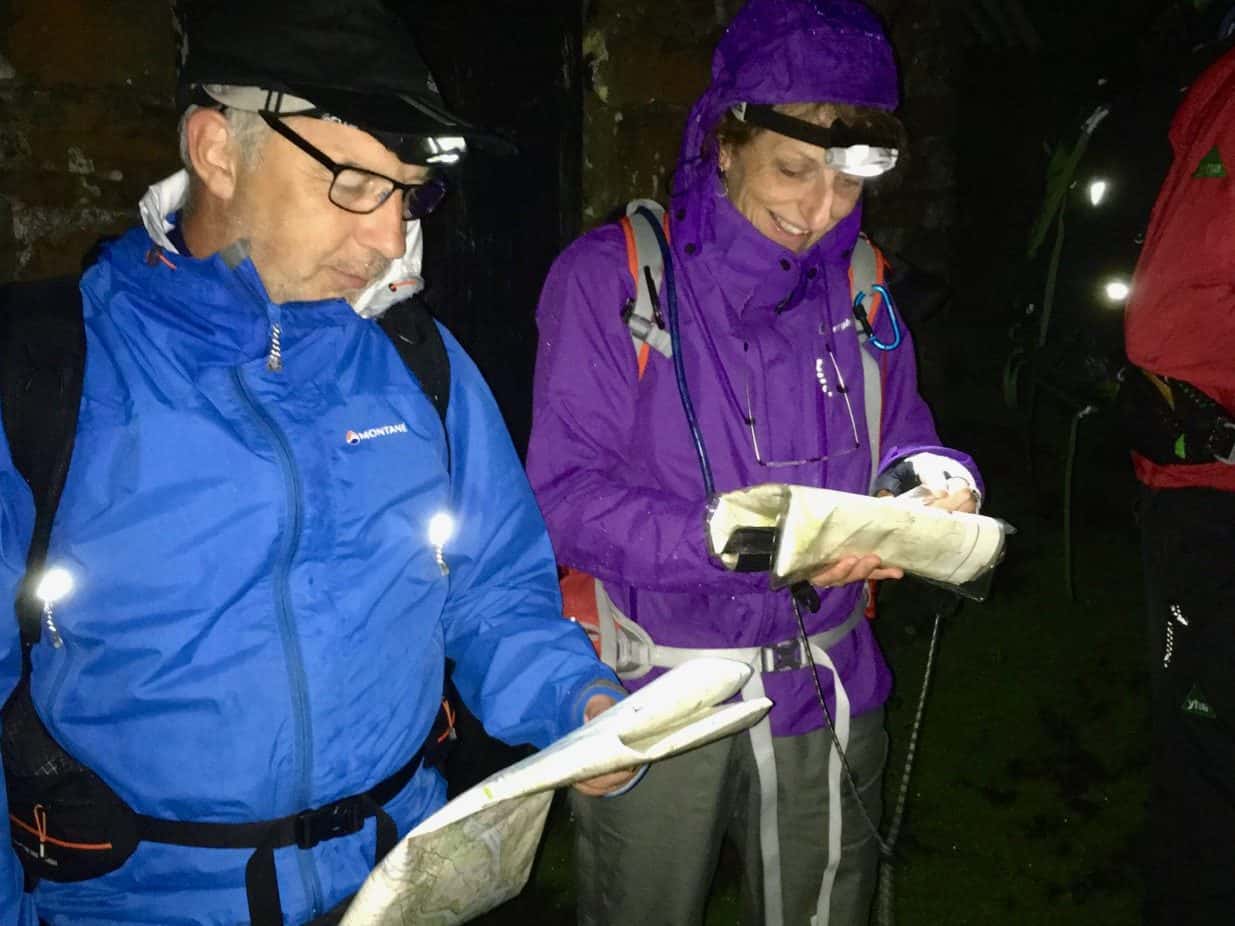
(769, 815)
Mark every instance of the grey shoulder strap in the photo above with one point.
(864, 268)
(643, 317)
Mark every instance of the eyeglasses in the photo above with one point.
(829, 390)
(361, 191)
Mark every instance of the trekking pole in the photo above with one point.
(885, 907)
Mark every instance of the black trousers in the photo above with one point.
(1188, 544)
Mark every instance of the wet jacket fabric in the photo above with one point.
(259, 624)
(1180, 319)
(611, 457)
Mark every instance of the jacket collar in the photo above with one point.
(755, 273)
(165, 198)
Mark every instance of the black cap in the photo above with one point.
(354, 60)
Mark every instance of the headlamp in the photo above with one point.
(861, 160)
(425, 150)
(857, 152)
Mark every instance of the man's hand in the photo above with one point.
(602, 784)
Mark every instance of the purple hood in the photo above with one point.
(790, 51)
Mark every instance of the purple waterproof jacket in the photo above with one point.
(611, 457)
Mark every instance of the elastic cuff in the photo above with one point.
(574, 718)
(643, 770)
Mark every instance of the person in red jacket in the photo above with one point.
(1180, 333)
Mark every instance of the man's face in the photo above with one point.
(303, 245)
(785, 189)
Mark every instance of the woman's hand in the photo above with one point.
(965, 500)
(855, 569)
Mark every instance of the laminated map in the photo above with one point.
(477, 851)
(816, 527)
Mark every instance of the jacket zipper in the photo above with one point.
(297, 681)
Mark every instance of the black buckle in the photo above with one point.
(329, 822)
(784, 656)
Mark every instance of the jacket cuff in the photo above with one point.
(639, 773)
(572, 719)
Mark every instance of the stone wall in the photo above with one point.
(86, 118)
(86, 122)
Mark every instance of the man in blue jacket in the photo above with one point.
(272, 542)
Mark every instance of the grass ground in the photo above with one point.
(1026, 799)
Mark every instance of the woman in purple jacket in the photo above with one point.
(763, 222)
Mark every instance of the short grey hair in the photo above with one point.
(248, 132)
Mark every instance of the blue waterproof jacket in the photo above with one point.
(259, 621)
(16, 523)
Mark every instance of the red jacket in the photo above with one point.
(1180, 319)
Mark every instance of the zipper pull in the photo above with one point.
(53, 633)
(55, 585)
(40, 828)
(274, 357)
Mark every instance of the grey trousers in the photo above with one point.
(647, 857)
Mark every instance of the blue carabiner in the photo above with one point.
(860, 312)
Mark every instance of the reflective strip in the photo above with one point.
(835, 820)
(769, 810)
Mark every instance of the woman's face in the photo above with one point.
(785, 189)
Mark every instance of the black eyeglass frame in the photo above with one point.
(828, 390)
(419, 199)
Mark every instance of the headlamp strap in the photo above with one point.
(838, 135)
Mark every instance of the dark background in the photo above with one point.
(514, 66)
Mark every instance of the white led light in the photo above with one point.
(441, 529)
(1117, 290)
(1097, 191)
(865, 170)
(55, 585)
(861, 160)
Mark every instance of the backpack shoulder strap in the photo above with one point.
(411, 329)
(643, 315)
(42, 361)
(867, 269)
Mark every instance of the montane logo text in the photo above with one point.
(355, 437)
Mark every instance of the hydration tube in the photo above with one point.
(679, 369)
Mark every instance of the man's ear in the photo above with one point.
(215, 161)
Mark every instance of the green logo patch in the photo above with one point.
(1211, 166)
(1196, 705)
